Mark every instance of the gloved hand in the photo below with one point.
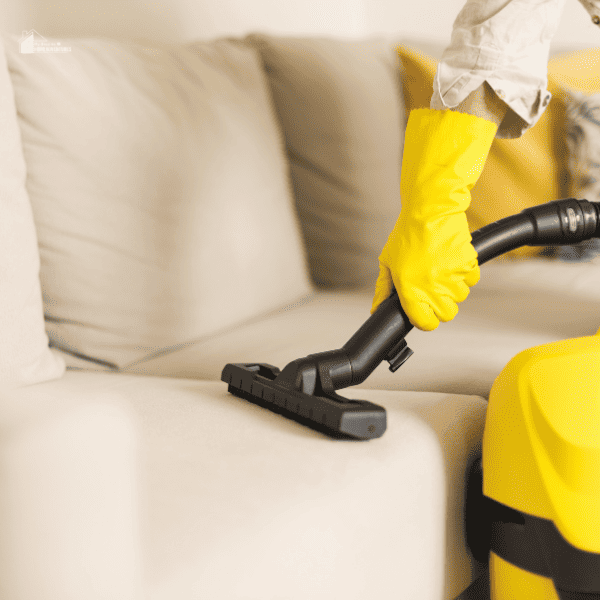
(428, 257)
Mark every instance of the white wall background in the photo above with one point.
(182, 20)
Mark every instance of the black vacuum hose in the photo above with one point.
(381, 337)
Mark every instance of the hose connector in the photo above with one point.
(566, 221)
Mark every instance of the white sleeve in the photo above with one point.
(506, 43)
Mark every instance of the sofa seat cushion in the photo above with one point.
(238, 502)
(516, 305)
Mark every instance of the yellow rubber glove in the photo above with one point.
(428, 257)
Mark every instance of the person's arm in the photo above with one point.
(432, 229)
(428, 257)
(504, 43)
(490, 82)
(484, 103)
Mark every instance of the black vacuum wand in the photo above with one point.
(305, 390)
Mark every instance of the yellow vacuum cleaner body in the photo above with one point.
(539, 511)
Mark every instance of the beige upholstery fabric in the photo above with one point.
(160, 193)
(341, 111)
(24, 354)
(70, 499)
(515, 306)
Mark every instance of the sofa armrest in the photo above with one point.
(68, 496)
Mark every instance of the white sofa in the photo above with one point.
(214, 203)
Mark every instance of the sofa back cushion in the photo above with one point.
(24, 353)
(340, 107)
(160, 193)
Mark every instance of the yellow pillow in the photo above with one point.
(522, 172)
(576, 70)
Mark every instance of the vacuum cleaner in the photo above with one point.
(533, 498)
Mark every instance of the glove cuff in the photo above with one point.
(444, 154)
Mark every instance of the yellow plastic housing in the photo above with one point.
(541, 443)
(508, 582)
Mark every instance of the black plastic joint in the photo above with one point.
(398, 355)
(316, 373)
(563, 221)
(335, 370)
